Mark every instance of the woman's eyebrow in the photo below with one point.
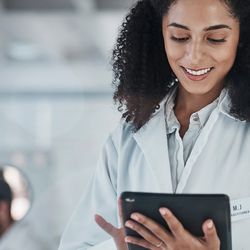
(214, 27)
(218, 26)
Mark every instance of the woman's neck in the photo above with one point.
(186, 104)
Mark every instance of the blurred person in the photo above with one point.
(6, 219)
(30, 231)
(181, 72)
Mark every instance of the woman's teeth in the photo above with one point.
(199, 72)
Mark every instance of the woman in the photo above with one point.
(182, 74)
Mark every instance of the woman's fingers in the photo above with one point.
(144, 232)
(116, 233)
(107, 227)
(155, 235)
(210, 235)
(174, 224)
(211, 238)
(153, 227)
(143, 243)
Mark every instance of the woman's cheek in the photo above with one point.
(174, 52)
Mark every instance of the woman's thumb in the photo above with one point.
(107, 227)
(210, 235)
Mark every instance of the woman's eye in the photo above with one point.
(216, 40)
(184, 39)
(179, 39)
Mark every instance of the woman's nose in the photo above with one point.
(195, 52)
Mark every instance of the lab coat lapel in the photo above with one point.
(152, 140)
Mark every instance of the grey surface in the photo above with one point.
(63, 4)
(38, 4)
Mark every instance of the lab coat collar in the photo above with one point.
(164, 100)
(152, 140)
(225, 104)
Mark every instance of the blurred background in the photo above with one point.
(56, 109)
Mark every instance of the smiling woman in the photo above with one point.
(200, 47)
(181, 72)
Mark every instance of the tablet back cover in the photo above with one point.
(191, 209)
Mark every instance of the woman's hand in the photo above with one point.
(155, 237)
(117, 234)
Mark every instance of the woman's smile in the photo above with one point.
(197, 75)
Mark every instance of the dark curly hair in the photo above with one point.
(142, 74)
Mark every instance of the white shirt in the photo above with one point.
(219, 163)
(179, 149)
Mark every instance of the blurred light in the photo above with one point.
(19, 159)
(40, 159)
(21, 201)
(24, 51)
(20, 206)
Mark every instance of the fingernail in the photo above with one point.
(127, 239)
(135, 217)
(210, 225)
(128, 224)
(164, 211)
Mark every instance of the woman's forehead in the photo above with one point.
(199, 14)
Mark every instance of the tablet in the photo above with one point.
(191, 210)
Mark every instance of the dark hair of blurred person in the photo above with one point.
(6, 219)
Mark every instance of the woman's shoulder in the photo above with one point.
(123, 131)
(121, 137)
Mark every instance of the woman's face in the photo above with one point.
(201, 40)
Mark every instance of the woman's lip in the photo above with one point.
(197, 69)
(196, 78)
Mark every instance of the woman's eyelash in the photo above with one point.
(183, 39)
(217, 40)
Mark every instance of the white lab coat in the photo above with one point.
(219, 163)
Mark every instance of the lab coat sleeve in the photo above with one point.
(100, 197)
